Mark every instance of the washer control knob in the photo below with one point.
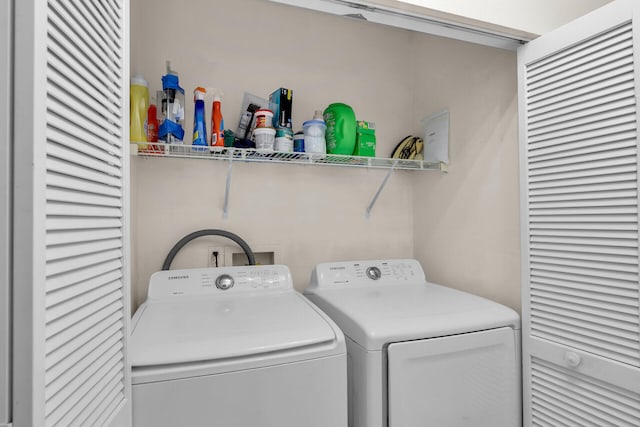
(373, 273)
(224, 282)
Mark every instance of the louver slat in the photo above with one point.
(568, 121)
(586, 102)
(85, 300)
(63, 73)
(78, 170)
(108, 397)
(79, 276)
(100, 316)
(65, 68)
(74, 143)
(626, 127)
(561, 283)
(576, 317)
(63, 403)
(82, 108)
(543, 67)
(68, 209)
(79, 124)
(559, 99)
(597, 197)
(581, 76)
(58, 376)
(580, 161)
(584, 401)
(64, 32)
(77, 12)
(575, 190)
(71, 196)
(61, 238)
(69, 183)
(78, 249)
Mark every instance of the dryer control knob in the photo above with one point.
(224, 282)
(373, 273)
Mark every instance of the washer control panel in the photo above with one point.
(221, 280)
(366, 273)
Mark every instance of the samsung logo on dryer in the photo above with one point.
(337, 268)
(178, 277)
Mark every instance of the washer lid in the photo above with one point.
(377, 315)
(205, 328)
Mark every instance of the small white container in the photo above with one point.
(314, 141)
(284, 140)
(264, 138)
(284, 145)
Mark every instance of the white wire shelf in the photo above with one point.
(252, 155)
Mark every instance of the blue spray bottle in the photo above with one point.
(199, 122)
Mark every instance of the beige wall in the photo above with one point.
(462, 225)
(467, 221)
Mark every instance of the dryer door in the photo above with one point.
(467, 380)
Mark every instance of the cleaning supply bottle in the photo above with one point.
(139, 91)
(152, 127)
(172, 101)
(217, 122)
(199, 124)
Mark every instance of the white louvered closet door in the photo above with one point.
(579, 124)
(71, 306)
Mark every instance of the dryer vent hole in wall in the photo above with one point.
(225, 256)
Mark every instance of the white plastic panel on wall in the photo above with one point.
(85, 302)
(579, 174)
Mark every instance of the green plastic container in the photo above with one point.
(341, 129)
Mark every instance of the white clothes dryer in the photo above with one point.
(421, 354)
(235, 347)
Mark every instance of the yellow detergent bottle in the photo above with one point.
(139, 92)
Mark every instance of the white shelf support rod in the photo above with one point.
(225, 208)
(384, 182)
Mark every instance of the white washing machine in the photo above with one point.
(421, 354)
(235, 347)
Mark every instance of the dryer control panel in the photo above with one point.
(220, 280)
(366, 273)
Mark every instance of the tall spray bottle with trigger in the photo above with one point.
(217, 122)
(199, 121)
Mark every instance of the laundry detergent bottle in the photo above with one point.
(199, 123)
(217, 122)
(139, 91)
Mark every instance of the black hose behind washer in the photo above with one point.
(209, 232)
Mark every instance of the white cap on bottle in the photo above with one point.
(139, 80)
(199, 93)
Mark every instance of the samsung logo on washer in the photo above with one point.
(184, 276)
(337, 268)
